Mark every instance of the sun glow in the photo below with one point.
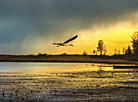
(115, 36)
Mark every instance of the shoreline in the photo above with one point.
(69, 59)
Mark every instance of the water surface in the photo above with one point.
(67, 82)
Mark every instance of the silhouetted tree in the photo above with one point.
(135, 43)
(128, 51)
(101, 47)
(84, 53)
(94, 52)
(124, 50)
(119, 52)
(105, 50)
(115, 51)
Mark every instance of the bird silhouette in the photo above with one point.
(66, 42)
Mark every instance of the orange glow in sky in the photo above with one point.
(115, 36)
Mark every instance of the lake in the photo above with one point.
(28, 66)
(67, 82)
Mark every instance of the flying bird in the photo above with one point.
(66, 42)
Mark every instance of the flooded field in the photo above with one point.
(67, 82)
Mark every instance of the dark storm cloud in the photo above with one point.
(49, 18)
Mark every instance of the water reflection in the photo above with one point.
(48, 82)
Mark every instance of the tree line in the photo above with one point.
(130, 51)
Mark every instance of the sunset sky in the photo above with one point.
(31, 26)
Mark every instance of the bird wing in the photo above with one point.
(55, 43)
(73, 38)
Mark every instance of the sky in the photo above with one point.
(31, 26)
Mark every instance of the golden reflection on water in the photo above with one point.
(77, 68)
(76, 80)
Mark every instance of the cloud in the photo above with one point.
(31, 20)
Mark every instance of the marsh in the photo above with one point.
(66, 82)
